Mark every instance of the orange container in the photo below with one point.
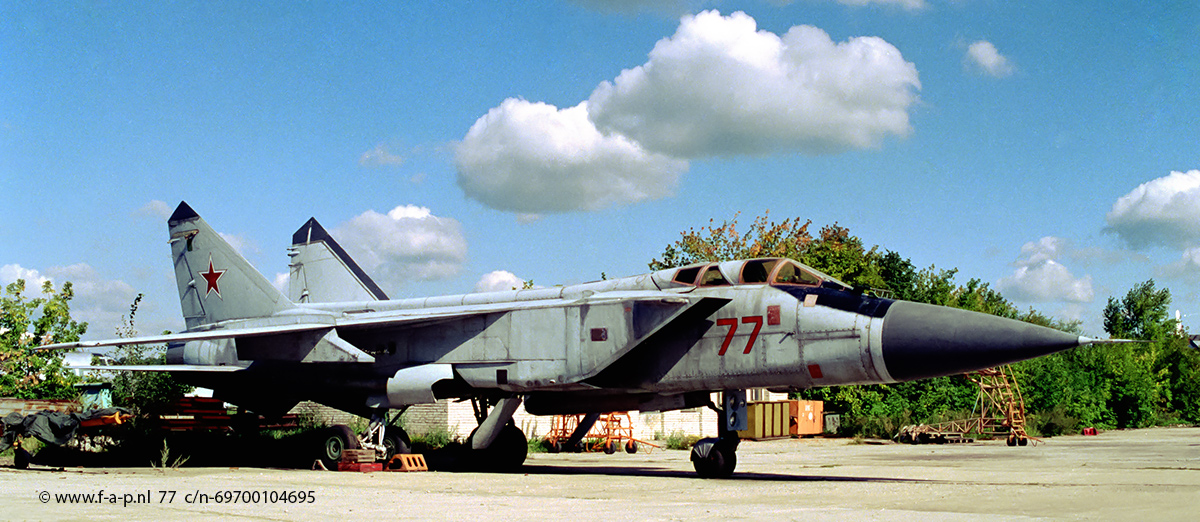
(807, 417)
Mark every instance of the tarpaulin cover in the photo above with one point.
(51, 427)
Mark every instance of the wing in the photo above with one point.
(318, 339)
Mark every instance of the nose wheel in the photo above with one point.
(717, 457)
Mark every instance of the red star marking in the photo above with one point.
(211, 277)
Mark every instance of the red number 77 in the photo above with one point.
(732, 323)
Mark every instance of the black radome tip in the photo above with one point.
(922, 340)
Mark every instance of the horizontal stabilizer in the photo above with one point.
(161, 368)
(227, 333)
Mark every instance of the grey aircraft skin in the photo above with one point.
(659, 341)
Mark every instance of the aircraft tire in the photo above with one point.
(724, 459)
(21, 458)
(631, 447)
(718, 463)
(507, 453)
(332, 441)
(396, 442)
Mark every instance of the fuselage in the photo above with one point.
(631, 342)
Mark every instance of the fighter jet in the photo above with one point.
(659, 341)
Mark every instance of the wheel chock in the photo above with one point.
(407, 462)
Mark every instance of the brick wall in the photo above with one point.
(459, 418)
(322, 414)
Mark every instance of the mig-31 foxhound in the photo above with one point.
(659, 341)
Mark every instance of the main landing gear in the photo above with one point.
(497, 444)
(717, 457)
(383, 436)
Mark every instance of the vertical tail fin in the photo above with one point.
(215, 282)
(322, 272)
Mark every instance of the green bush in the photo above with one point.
(539, 445)
(433, 439)
(677, 440)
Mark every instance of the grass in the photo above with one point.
(165, 461)
(431, 440)
(538, 445)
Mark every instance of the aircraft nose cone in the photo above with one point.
(921, 340)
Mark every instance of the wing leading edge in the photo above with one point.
(679, 313)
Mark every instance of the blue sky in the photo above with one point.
(1048, 149)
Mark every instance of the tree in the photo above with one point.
(835, 252)
(1141, 314)
(26, 324)
(1153, 381)
(722, 243)
(899, 275)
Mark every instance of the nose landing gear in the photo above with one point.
(717, 457)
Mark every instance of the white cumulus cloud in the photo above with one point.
(1039, 277)
(408, 243)
(499, 280)
(720, 86)
(99, 301)
(33, 279)
(532, 157)
(984, 56)
(1160, 212)
(156, 208)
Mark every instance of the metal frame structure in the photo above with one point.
(1001, 412)
(611, 432)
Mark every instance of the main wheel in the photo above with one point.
(21, 458)
(507, 452)
(396, 442)
(333, 441)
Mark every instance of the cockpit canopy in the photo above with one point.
(773, 271)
